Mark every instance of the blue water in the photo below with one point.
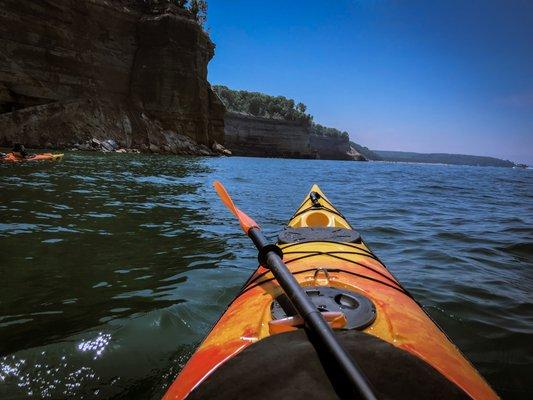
(114, 266)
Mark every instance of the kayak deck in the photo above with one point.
(399, 320)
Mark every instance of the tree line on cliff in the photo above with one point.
(276, 107)
(197, 9)
(262, 105)
(320, 130)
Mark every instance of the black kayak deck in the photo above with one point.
(287, 366)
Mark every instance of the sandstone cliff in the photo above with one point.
(267, 137)
(72, 70)
(334, 148)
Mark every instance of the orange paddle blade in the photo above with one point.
(246, 222)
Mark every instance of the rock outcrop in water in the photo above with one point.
(71, 71)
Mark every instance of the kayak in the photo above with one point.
(11, 157)
(259, 348)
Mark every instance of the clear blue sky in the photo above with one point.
(427, 76)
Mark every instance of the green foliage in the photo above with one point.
(320, 130)
(301, 107)
(277, 107)
(262, 105)
(196, 8)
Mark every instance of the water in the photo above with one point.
(114, 266)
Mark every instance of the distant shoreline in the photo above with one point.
(443, 158)
(431, 158)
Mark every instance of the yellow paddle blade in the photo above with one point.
(246, 222)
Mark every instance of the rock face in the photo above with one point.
(73, 70)
(355, 155)
(334, 148)
(264, 137)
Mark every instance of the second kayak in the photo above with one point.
(13, 158)
(260, 348)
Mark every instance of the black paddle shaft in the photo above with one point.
(312, 317)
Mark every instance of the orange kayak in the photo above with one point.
(12, 157)
(259, 347)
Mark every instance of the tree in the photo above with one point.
(279, 107)
(255, 106)
(198, 9)
(262, 105)
(319, 130)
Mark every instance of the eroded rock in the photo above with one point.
(104, 70)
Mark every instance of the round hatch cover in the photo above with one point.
(358, 309)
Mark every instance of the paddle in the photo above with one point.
(270, 256)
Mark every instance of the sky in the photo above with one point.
(426, 76)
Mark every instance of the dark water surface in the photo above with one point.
(113, 267)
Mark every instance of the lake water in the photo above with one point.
(113, 266)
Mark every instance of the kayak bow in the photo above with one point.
(355, 293)
(351, 377)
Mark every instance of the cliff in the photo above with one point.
(73, 70)
(266, 137)
(365, 152)
(247, 135)
(258, 124)
(334, 148)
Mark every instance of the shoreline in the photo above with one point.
(227, 153)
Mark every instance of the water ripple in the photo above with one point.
(122, 262)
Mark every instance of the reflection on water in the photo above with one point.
(115, 266)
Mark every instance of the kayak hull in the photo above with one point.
(399, 320)
(11, 158)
